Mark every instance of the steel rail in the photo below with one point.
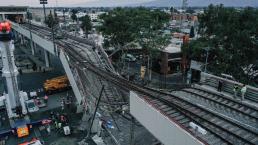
(221, 101)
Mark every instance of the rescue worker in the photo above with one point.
(62, 103)
(59, 125)
(235, 89)
(243, 91)
(45, 99)
(56, 124)
(52, 115)
(48, 129)
(220, 86)
(62, 118)
(37, 101)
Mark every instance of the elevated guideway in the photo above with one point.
(48, 45)
(83, 83)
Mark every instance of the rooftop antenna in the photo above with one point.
(56, 4)
(184, 4)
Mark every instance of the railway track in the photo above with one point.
(220, 130)
(111, 94)
(242, 112)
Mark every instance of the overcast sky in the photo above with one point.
(64, 2)
(107, 3)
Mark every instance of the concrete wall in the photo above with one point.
(164, 129)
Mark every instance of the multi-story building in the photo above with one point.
(14, 13)
(184, 17)
(95, 16)
(38, 13)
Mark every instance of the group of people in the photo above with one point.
(59, 120)
(38, 102)
(236, 89)
(66, 102)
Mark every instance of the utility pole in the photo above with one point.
(52, 29)
(184, 7)
(95, 111)
(206, 60)
(29, 16)
(44, 2)
(149, 68)
(64, 18)
(132, 131)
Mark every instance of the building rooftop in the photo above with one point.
(171, 48)
(13, 8)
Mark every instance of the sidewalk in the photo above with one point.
(213, 90)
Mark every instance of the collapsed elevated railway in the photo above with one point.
(219, 129)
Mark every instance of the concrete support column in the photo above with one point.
(35, 47)
(32, 47)
(24, 16)
(3, 16)
(14, 34)
(22, 39)
(46, 53)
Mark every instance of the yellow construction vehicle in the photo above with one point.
(56, 84)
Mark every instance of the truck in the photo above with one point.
(56, 84)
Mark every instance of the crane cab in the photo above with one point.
(5, 31)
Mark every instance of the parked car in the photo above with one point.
(31, 106)
(128, 57)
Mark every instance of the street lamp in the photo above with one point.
(29, 16)
(207, 49)
(52, 29)
(44, 2)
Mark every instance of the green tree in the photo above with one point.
(143, 26)
(122, 26)
(173, 10)
(232, 34)
(116, 27)
(51, 20)
(191, 35)
(189, 10)
(86, 24)
(74, 16)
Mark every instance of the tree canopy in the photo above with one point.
(124, 25)
(86, 24)
(51, 20)
(191, 35)
(173, 10)
(74, 16)
(232, 35)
